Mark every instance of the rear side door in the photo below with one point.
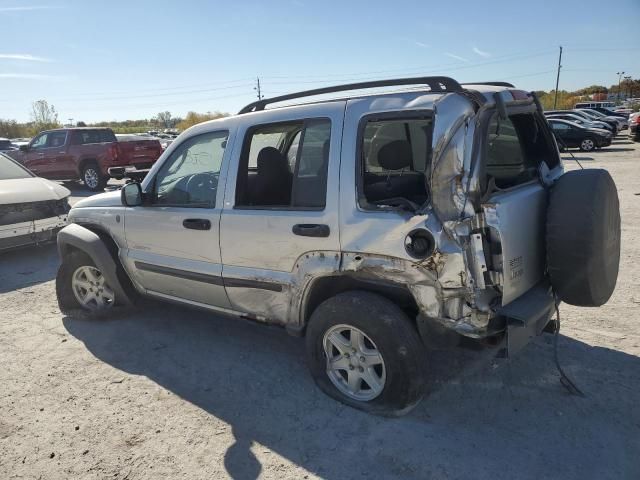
(60, 164)
(281, 206)
(173, 247)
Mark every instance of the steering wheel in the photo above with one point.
(200, 185)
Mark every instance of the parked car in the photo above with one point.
(373, 225)
(614, 122)
(7, 145)
(622, 117)
(634, 126)
(572, 117)
(85, 154)
(572, 135)
(32, 209)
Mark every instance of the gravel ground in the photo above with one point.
(174, 393)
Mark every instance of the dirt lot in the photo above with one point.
(175, 393)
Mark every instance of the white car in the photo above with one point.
(32, 209)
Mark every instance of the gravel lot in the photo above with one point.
(174, 393)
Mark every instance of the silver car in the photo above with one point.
(373, 225)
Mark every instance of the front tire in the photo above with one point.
(363, 351)
(93, 179)
(80, 285)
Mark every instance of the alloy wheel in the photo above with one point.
(354, 364)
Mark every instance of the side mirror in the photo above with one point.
(131, 195)
(24, 148)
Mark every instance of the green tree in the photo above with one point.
(193, 118)
(43, 116)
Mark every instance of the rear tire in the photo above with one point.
(397, 382)
(587, 144)
(93, 178)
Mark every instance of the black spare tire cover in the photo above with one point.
(583, 237)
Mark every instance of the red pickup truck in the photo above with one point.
(85, 154)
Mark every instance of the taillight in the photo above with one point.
(637, 119)
(114, 152)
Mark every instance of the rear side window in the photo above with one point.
(83, 137)
(285, 165)
(56, 139)
(395, 154)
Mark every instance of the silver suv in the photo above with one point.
(373, 224)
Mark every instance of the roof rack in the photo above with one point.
(436, 84)
(495, 84)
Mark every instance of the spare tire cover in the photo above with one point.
(583, 237)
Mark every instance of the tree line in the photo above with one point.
(44, 115)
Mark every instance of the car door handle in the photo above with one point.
(311, 230)
(197, 224)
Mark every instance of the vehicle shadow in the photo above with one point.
(567, 157)
(27, 266)
(508, 417)
(613, 149)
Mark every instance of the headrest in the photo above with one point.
(269, 159)
(395, 155)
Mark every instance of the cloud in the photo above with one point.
(31, 76)
(481, 53)
(423, 45)
(457, 57)
(22, 56)
(27, 8)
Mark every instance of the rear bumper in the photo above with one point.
(31, 233)
(527, 316)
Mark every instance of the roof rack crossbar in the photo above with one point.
(495, 84)
(436, 84)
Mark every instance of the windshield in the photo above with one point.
(9, 170)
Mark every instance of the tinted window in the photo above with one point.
(10, 170)
(56, 139)
(285, 165)
(189, 177)
(82, 137)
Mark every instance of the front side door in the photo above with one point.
(173, 246)
(35, 157)
(281, 206)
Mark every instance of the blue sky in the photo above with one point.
(114, 60)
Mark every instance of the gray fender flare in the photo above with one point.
(90, 243)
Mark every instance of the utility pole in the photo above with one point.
(555, 99)
(628, 89)
(257, 88)
(71, 121)
(620, 74)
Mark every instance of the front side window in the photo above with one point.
(189, 178)
(395, 154)
(285, 165)
(40, 141)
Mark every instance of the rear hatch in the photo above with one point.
(516, 219)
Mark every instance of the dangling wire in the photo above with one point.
(564, 379)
